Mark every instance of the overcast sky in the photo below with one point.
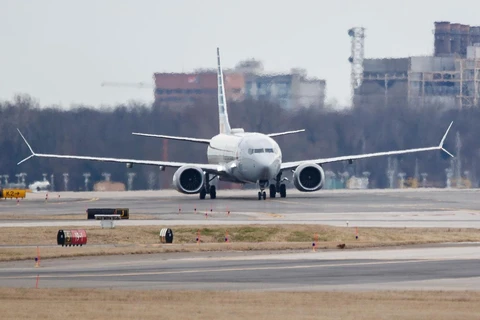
(60, 51)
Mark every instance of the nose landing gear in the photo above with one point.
(262, 194)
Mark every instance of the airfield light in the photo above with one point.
(402, 175)
(107, 176)
(366, 174)
(390, 174)
(86, 175)
(449, 173)
(65, 181)
(130, 175)
(424, 179)
(22, 176)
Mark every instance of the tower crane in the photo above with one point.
(140, 85)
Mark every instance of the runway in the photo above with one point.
(376, 208)
(438, 268)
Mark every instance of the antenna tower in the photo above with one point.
(357, 36)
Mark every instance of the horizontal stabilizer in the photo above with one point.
(198, 140)
(284, 133)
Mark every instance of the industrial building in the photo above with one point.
(247, 80)
(450, 77)
(188, 88)
(289, 89)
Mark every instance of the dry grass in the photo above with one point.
(62, 304)
(72, 217)
(145, 239)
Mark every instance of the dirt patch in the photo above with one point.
(129, 304)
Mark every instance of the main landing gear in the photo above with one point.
(212, 190)
(279, 187)
(274, 188)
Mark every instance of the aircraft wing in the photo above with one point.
(211, 168)
(284, 133)
(206, 141)
(294, 164)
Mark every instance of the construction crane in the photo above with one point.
(141, 85)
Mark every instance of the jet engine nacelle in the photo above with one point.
(188, 179)
(308, 177)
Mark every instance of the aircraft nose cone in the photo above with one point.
(267, 168)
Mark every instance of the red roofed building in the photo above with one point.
(186, 88)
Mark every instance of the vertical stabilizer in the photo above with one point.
(222, 101)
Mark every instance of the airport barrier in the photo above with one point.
(12, 193)
(166, 235)
(71, 237)
(123, 212)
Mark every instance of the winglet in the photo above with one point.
(29, 147)
(443, 140)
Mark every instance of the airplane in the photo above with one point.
(38, 186)
(241, 157)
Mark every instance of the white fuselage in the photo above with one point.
(247, 157)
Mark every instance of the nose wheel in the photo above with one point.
(262, 195)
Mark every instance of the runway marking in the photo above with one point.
(75, 201)
(224, 269)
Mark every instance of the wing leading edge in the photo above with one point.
(205, 141)
(294, 164)
(284, 133)
(206, 167)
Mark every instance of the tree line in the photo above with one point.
(106, 132)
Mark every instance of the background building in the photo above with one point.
(450, 77)
(247, 80)
(291, 90)
(187, 88)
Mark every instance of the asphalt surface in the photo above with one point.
(381, 208)
(438, 268)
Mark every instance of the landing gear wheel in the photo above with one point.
(283, 190)
(259, 195)
(264, 194)
(213, 192)
(203, 193)
(273, 191)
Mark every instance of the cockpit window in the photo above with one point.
(250, 151)
(269, 150)
(258, 150)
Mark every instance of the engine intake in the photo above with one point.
(308, 177)
(188, 179)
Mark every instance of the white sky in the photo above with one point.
(60, 51)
